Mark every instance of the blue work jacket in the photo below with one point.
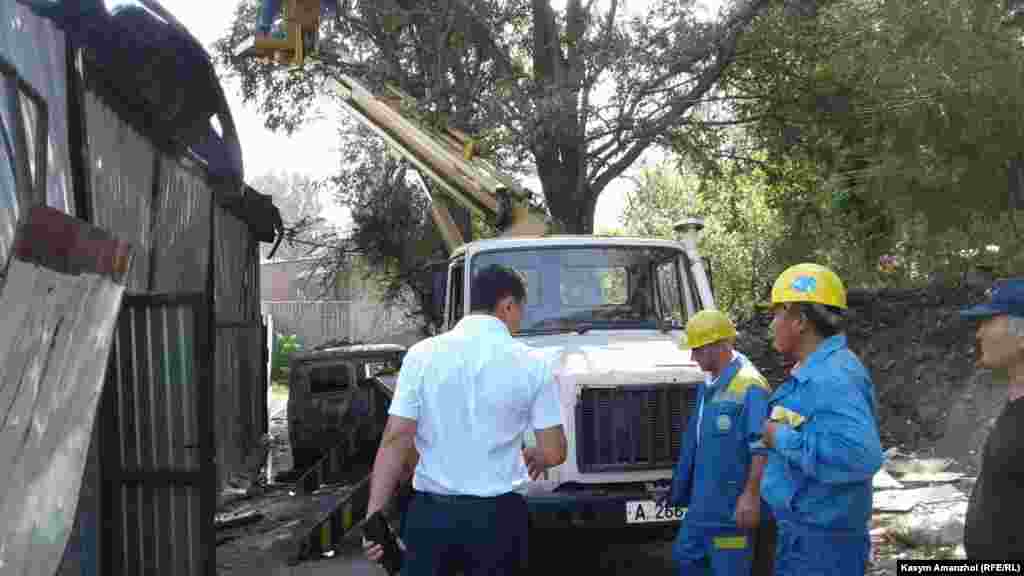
(819, 472)
(712, 469)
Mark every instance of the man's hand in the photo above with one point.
(748, 510)
(534, 459)
(768, 433)
(374, 552)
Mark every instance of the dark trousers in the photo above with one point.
(764, 545)
(480, 536)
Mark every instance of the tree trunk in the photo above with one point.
(570, 201)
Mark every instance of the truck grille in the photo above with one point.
(634, 428)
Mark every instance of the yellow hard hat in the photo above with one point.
(809, 282)
(707, 327)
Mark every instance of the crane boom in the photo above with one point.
(449, 161)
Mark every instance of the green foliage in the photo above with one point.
(284, 346)
(392, 229)
(573, 95)
(880, 130)
(742, 233)
(613, 285)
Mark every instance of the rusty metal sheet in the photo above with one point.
(60, 302)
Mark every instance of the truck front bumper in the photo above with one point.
(600, 509)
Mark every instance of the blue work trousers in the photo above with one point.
(707, 550)
(803, 551)
(480, 536)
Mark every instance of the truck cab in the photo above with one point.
(610, 312)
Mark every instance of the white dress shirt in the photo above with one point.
(474, 391)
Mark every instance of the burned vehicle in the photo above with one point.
(335, 396)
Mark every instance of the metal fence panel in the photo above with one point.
(121, 163)
(158, 441)
(240, 391)
(237, 285)
(181, 231)
(317, 322)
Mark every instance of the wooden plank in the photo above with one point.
(60, 303)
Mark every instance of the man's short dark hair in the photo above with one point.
(827, 320)
(493, 284)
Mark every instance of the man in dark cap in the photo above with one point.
(993, 529)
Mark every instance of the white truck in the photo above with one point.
(610, 310)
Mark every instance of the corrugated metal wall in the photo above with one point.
(153, 465)
(239, 361)
(173, 251)
(162, 205)
(317, 322)
(122, 163)
(126, 179)
(181, 233)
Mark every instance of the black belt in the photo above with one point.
(462, 498)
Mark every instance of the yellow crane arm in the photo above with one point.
(446, 156)
(448, 160)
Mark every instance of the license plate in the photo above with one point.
(648, 511)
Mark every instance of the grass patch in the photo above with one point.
(279, 391)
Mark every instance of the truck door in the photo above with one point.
(455, 303)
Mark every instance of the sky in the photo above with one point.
(313, 150)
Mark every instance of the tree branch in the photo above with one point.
(707, 79)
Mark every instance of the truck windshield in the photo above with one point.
(615, 287)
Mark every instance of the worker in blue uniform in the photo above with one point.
(717, 477)
(821, 437)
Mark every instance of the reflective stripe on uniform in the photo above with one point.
(730, 542)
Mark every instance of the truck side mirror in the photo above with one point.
(439, 287)
(708, 269)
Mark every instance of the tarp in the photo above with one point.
(60, 302)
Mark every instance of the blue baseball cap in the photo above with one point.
(1005, 297)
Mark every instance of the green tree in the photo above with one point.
(392, 228)
(742, 231)
(883, 128)
(574, 95)
(284, 347)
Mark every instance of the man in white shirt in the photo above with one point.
(465, 399)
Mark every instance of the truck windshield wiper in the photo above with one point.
(543, 331)
(579, 329)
